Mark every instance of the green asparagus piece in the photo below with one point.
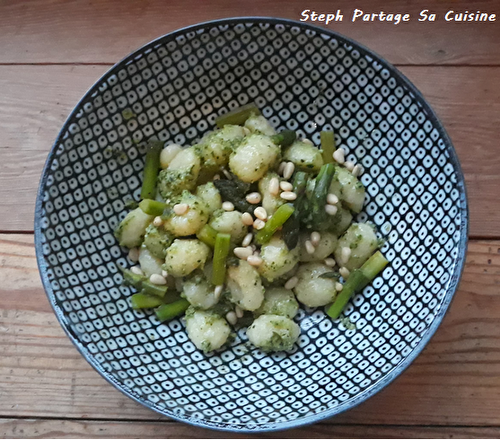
(238, 116)
(143, 301)
(154, 289)
(167, 312)
(170, 297)
(152, 207)
(221, 251)
(132, 279)
(207, 235)
(291, 228)
(151, 168)
(319, 217)
(284, 138)
(357, 281)
(281, 215)
(327, 145)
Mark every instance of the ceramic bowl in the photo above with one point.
(303, 78)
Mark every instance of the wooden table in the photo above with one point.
(51, 51)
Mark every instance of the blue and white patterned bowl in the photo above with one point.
(302, 78)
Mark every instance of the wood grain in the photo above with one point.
(29, 428)
(453, 382)
(79, 31)
(37, 99)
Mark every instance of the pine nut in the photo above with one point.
(217, 292)
(274, 186)
(157, 279)
(260, 213)
(216, 177)
(309, 247)
(133, 255)
(288, 195)
(357, 170)
(254, 198)
(181, 208)
(315, 238)
(137, 270)
(246, 131)
(288, 170)
(344, 272)
(339, 156)
(228, 206)
(231, 318)
(239, 312)
(227, 174)
(331, 209)
(164, 273)
(332, 199)
(307, 141)
(248, 238)
(157, 221)
(330, 262)
(338, 287)
(254, 260)
(349, 165)
(346, 253)
(281, 168)
(259, 224)
(291, 283)
(286, 186)
(247, 219)
(242, 252)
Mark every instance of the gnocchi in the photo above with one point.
(267, 211)
(207, 330)
(186, 255)
(312, 290)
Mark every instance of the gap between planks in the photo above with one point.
(44, 428)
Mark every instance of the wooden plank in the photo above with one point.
(37, 99)
(62, 31)
(454, 381)
(33, 428)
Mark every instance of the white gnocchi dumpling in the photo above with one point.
(199, 292)
(278, 301)
(190, 222)
(312, 290)
(167, 155)
(229, 222)
(259, 124)
(215, 147)
(210, 195)
(149, 263)
(359, 242)
(348, 189)
(326, 246)
(277, 260)
(132, 228)
(186, 255)
(253, 158)
(181, 174)
(207, 330)
(273, 333)
(305, 157)
(245, 286)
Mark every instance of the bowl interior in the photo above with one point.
(302, 78)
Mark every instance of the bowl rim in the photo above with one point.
(380, 383)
